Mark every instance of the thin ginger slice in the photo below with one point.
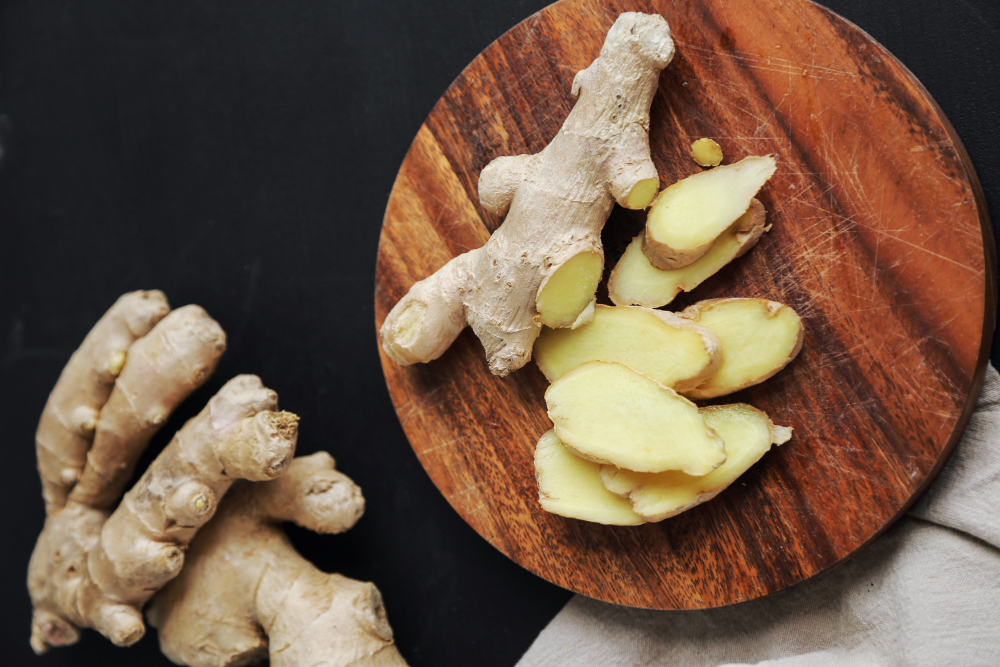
(686, 218)
(609, 413)
(758, 338)
(670, 349)
(748, 434)
(635, 281)
(571, 486)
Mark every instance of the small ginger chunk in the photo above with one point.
(706, 152)
(569, 291)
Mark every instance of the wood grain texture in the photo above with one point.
(881, 242)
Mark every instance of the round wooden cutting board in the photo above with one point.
(880, 241)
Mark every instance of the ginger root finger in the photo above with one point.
(66, 428)
(277, 604)
(90, 569)
(634, 281)
(162, 369)
(686, 218)
(556, 204)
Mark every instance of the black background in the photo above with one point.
(239, 154)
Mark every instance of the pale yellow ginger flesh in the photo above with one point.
(642, 194)
(706, 152)
(748, 434)
(687, 217)
(609, 413)
(662, 345)
(556, 203)
(758, 338)
(571, 486)
(634, 281)
(570, 290)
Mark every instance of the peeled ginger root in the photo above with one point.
(758, 339)
(635, 281)
(609, 413)
(748, 434)
(571, 486)
(686, 218)
(670, 349)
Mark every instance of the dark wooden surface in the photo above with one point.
(239, 154)
(881, 242)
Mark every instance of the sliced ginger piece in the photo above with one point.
(670, 349)
(687, 217)
(706, 152)
(748, 434)
(566, 298)
(758, 338)
(609, 413)
(571, 486)
(635, 281)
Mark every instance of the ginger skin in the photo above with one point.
(96, 568)
(556, 203)
(275, 603)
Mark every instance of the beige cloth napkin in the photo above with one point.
(925, 593)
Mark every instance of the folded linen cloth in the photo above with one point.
(927, 592)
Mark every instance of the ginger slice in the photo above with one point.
(571, 486)
(758, 338)
(635, 281)
(670, 349)
(748, 434)
(609, 413)
(687, 217)
(706, 153)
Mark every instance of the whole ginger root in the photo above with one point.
(98, 561)
(543, 264)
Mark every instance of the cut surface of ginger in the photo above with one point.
(609, 413)
(687, 217)
(569, 291)
(706, 152)
(637, 282)
(662, 345)
(758, 339)
(571, 486)
(748, 434)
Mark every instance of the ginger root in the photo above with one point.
(245, 594)
(96, 564)
(556, 203)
